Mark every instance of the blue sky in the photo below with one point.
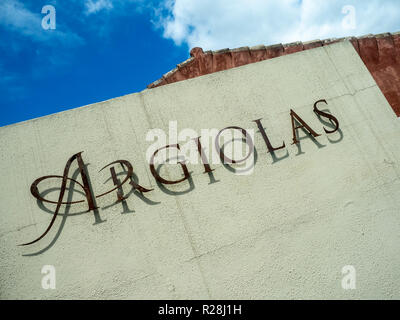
(103, 49)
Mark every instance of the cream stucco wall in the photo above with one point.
(284, 231)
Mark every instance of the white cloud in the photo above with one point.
(14, 15)
(116, 7)
(216, 24)
(17, 18)
(95, 6)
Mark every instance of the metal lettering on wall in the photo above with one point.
(90, 197)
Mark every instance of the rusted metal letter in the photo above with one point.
(204, 159)
(85, 186)
(294, 116)
(326, 115)
(265, 137)
(157, 176)
(249, 142)
(118, 186)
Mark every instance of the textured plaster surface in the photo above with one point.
(380, 53)
(284, 231)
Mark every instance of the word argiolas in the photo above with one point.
(243, 155)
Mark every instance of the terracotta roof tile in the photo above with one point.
(380, 53)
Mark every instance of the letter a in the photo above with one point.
(294, 116)
(85, 186)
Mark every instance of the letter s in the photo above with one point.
(326, 115)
